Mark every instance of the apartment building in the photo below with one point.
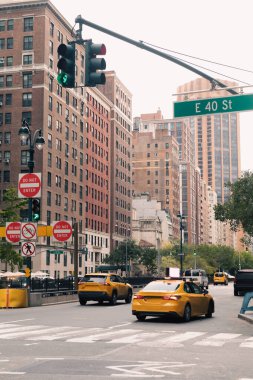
(76, 124)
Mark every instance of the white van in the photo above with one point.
(198, 276)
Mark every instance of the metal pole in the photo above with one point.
(30, 166)
(181, 246)
(76, 254)
(126, 260)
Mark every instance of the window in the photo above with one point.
(51, 29)
(2, 25)
(10, 24)
(49, 140)
(27, 116)
(25, 155)
(27, 80)
(49, 159)
(8, 80)
(1, 61)
(28, 24)
(6, 177)
(51, 47)
(8, 118)
(7, 137)
(50, 103)
(9, 61)
(28, 43)
(49, 121)
(1, 81)
(2, 43)
(27, 59)
(10, 43)
(8, 99)
(49, 179)
(49, 200)
(27, 100)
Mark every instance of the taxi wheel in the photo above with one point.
(209, 313)
(82, 302)
(141, 317)
(187, 313)
(129, 297)
(113, 300)
(100, 302)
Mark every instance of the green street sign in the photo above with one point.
(201, 107)
(55, 252)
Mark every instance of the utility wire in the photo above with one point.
(201, 59)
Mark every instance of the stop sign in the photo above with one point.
(29, 185)
(12, 232)
(62, 230)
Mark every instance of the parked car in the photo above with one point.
(198, 276)
(220, 278)
(180, 298)
(104, 287)
(243, 281)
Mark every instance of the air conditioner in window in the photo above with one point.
(1, 104)
(66, 154)
(6, 161)
(67, 119)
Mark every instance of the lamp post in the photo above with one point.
(37, 140)
(195, 259)
(181, 218)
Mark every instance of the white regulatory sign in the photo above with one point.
(29, 231)
(28, 248)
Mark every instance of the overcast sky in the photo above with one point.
(217, 30)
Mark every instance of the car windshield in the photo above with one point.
(192, 273)
(219, 274)
(161, 286)
(100, 279)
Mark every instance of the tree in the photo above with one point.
(238, 210)
(10, 213)
(148, 258)
(125, 249)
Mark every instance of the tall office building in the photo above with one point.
(121, 160)
(76, 123)
(217, 139)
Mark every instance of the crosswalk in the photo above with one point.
(122, 334)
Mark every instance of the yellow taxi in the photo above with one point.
(220, 278)
(183, 299)
(104, 287)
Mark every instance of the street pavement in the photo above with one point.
(100, 342)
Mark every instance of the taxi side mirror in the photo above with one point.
(205, 292)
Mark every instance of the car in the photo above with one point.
(104, 287)
(180, 298)
(243, 281)
(198, 276)
(220, 278)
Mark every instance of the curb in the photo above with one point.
(247, 318)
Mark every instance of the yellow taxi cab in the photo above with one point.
(220, 278)
(183, 299)
(104, 287)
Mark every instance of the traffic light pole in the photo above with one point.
(79, 20)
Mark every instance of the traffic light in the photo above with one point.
(66, 64)
(92, 64)
(35, 209)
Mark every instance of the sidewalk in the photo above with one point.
(248, 317)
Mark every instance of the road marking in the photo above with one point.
(97, 337)
(248, 343)
(4, 360)
(30, 344)
(217, 340)
(173, 341)
(12, 373)
(134, 338)
(65, 334)
(49, 358)
(11, 330)
(39, 331)
(18, 320)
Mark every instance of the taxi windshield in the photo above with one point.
(161, 286)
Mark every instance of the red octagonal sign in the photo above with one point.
(29, 185)
(12, 232)
(62, 230)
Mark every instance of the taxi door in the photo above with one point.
(198, 300)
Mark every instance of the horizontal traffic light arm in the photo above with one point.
(81, 21)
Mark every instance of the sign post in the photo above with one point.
(201, 107)
(29, 185)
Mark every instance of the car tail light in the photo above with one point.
(174, 298)
(138, 297)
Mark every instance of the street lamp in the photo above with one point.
(37, 140)
(195, 259)
(182, 218)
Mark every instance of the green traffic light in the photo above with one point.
(36, 217)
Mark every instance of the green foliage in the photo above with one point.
(238, 210)
(9, 256)
(12, 206)
(148, 258)
(10, 213)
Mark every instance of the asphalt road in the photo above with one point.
(69, 341)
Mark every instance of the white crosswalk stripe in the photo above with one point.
(117, 335)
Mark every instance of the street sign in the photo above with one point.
(27, 272)
(62, 230)
(12, 232)
(29, 231)
(55, 251)
(28, 248)
(200, 107)
(29, 185)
